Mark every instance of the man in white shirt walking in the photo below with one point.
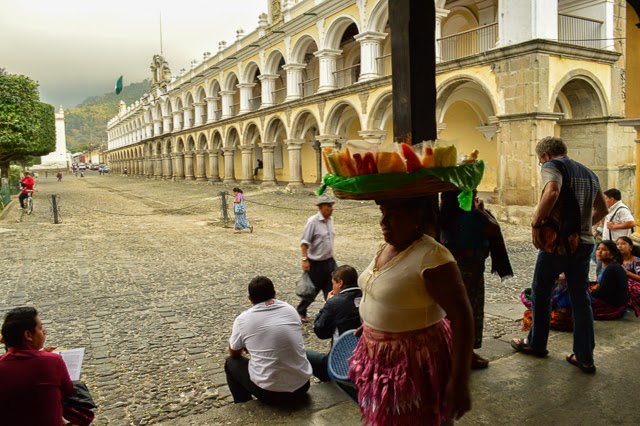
(619, 222)
(271, 332)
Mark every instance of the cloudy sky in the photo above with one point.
(78, 48)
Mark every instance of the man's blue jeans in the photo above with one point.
(576, 269)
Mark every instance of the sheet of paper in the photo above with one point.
(73, 359)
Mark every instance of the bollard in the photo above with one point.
(55, 208)
(225, 215)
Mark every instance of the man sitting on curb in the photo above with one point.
(338, 315)
(271, 332)
(33, 381)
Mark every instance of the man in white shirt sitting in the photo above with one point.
(278, 371)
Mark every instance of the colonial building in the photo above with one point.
(316, 73)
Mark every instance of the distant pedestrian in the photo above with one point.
(59, 176)
(240, 212)
(317, 251)
(46, 174)
(125, 172)
(258, 167)
(561, 230)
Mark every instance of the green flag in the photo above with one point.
(119, 86)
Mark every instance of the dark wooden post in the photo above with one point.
(413, 49)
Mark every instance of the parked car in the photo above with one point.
(82, 166)
(106, 169)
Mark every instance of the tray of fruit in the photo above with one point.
(405, 172)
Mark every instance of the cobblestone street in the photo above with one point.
(144, 275)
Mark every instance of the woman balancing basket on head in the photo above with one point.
(411, 364)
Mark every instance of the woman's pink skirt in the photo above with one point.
(402, 377)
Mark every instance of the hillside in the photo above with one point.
(86, 124)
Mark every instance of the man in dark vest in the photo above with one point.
(572, 193)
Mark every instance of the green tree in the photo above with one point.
(18, 118)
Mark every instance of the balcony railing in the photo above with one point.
(580, 31)
(255, 103)
(384, 65)
(468, 43)
(309, 87)
(279, 95)
(347, 76)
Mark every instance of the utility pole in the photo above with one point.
(413, 47)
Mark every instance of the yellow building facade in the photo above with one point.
(317, 73)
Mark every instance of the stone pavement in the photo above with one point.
(144, 275)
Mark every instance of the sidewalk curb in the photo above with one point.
(7, 209)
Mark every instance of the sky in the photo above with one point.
(78, 48)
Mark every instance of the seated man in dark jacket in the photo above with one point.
(339, 314)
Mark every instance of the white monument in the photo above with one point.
(58, 158)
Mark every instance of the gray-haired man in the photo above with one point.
(317, 250)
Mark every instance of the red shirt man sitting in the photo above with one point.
(32, 381)
(27, 185)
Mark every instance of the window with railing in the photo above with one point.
(279, 95)
(309, 87)
(468, 43)
(580, 31)
(254, 103)
(384, 65)
(347, 76)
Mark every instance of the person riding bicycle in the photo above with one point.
(26, 184)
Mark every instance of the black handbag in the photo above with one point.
(78, 408)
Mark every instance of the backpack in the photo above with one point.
(633, 230)
(561, 230)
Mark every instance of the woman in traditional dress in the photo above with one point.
(240, 212)
(631, 264)
(611, 294)
(411, 366)
(470, 237)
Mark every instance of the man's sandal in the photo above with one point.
(521, 346)
(589, 369)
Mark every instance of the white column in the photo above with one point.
(246, 92)
(214, 166)
(178, 170)
(150, 132)
(229, 173)
(199, 111)
(188, 160)
(227, 101)
(268, 87)
(294, 146)
(202, 168)
(328, 59)
(187, 117)
(166, 124)
(168, 166)
(212, 108)
(440, 15)
(176, 121)
(247, 163)
(370, 43)
(269, 168)
(526, 20)
(294, 81)
(157, 167)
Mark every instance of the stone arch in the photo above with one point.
(274, 61)
(180, 147)
(158, 148)
(343, 119)
(201, 94)
(233, 137)
(478, 92)
(381, 111)
(465, 112)
(302, 122)
(216, 140)
(214, 88)
(583, 95)
(168, 146)
(231, 81)
(460, 19)
(336, 31)
(378, 17)
(275, 127)
(252, 135)
(250, 73)
(191, 144)
(202, 141)
(300, 48)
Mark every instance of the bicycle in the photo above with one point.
(29, 202)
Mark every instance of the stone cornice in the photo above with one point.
(583, 121)
(549, 47)
(531, 116)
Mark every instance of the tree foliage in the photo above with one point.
(86, 124)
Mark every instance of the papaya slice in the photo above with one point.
(412, 159)
(428, 159)
(390, 162)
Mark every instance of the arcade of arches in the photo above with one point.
(328, 81)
